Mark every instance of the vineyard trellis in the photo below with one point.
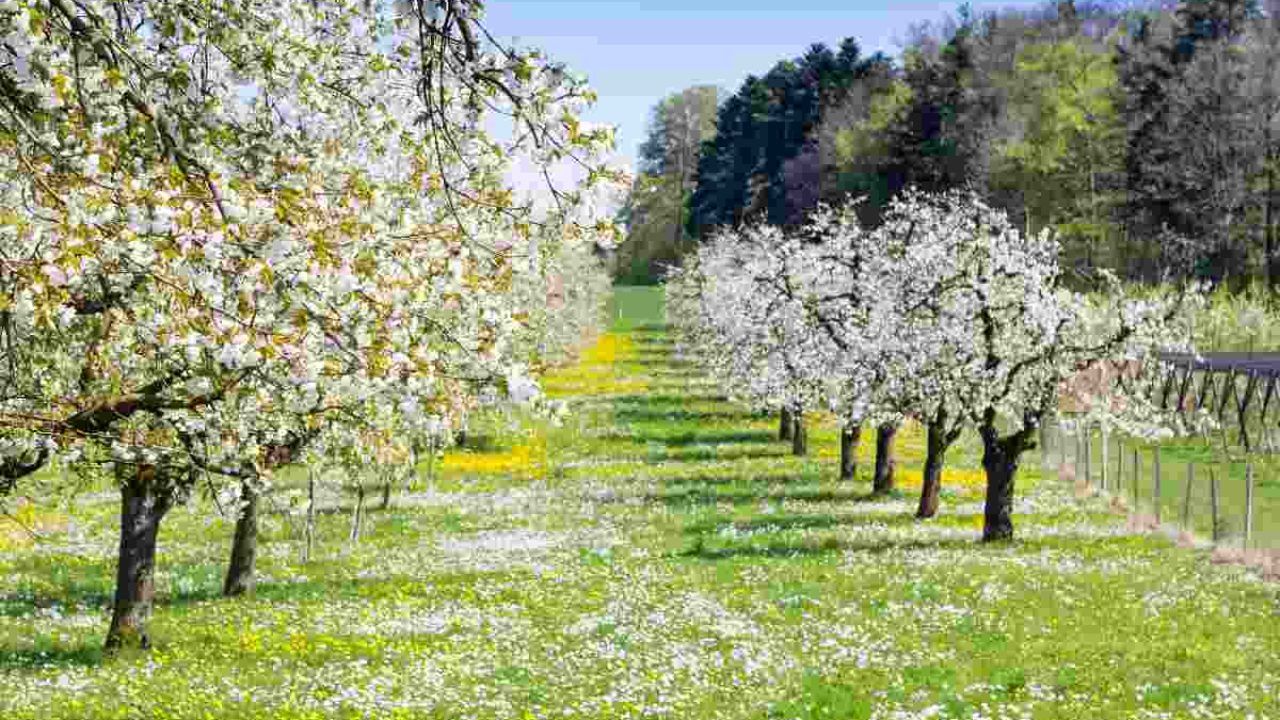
(1245, 381)
(1214, 488)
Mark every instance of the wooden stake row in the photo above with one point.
(1081, 461)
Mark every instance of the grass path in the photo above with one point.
(657, 555)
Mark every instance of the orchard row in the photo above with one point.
(943, 312)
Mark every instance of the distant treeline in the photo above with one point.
(1147, 136)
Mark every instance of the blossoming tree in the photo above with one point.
(998, 331)
(944, 311)
(227, 224)
(740, 306)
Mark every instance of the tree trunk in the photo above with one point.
(1000, 462)
(411, 477)
(143, 504)
(931, 476)
(849, 437)
(310, 531)
(998, 511)
(386, 491)
(882, 480)
(244, 546)
(785, 424)
(357, 514)
(431, 465)
(799, 436)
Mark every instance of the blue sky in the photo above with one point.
(637, 51)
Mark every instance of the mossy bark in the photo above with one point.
(850, 435)
(244, 544)
(931, 477)
(882, 481)
(799, 435)
(144, 501)
(941, 435)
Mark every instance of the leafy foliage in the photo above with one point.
(1146, 137)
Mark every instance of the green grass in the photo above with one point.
(1195, 515)
(639, 309)
(670, 560)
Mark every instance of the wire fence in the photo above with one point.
(1215, 493)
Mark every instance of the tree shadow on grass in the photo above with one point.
(98, 596)
(680, 414)
(741, 480)
(210, 590)
(690, 387)
(660, 360)
(685, 395)
(625, 450)
(46, 654)
(653, 347)
(747, 496)
(818, 548)
(678, 369)
(653, 332)
(177, 584)
(86, 655)
(651, 327)
(715, 453)
(721, 437)
(781, 522)
(650, 400)
(653, 449)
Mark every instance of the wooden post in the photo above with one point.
(1075, 453)
(1119, 465)
(309, 530)
(1186, 497)
(357, 512)
(1213, 503)
(411, 476)
(1248, 502)
(1057, 440)
(431, 464)
(1044, 446)
(1155, 491)
(1060, 444)
(799, 434)
(1137, 474)
(1103, 468)
(1088, 436)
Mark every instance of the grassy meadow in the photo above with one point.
(657, 554)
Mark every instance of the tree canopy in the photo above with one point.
(1146, 136)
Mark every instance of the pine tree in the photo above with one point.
(766, 124)
(944, 142)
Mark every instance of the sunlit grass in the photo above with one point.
(598, 373)
(524, 461)
(658, 554)
(24, 524)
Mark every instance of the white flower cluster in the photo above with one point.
(229, 225)
(944, 309)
